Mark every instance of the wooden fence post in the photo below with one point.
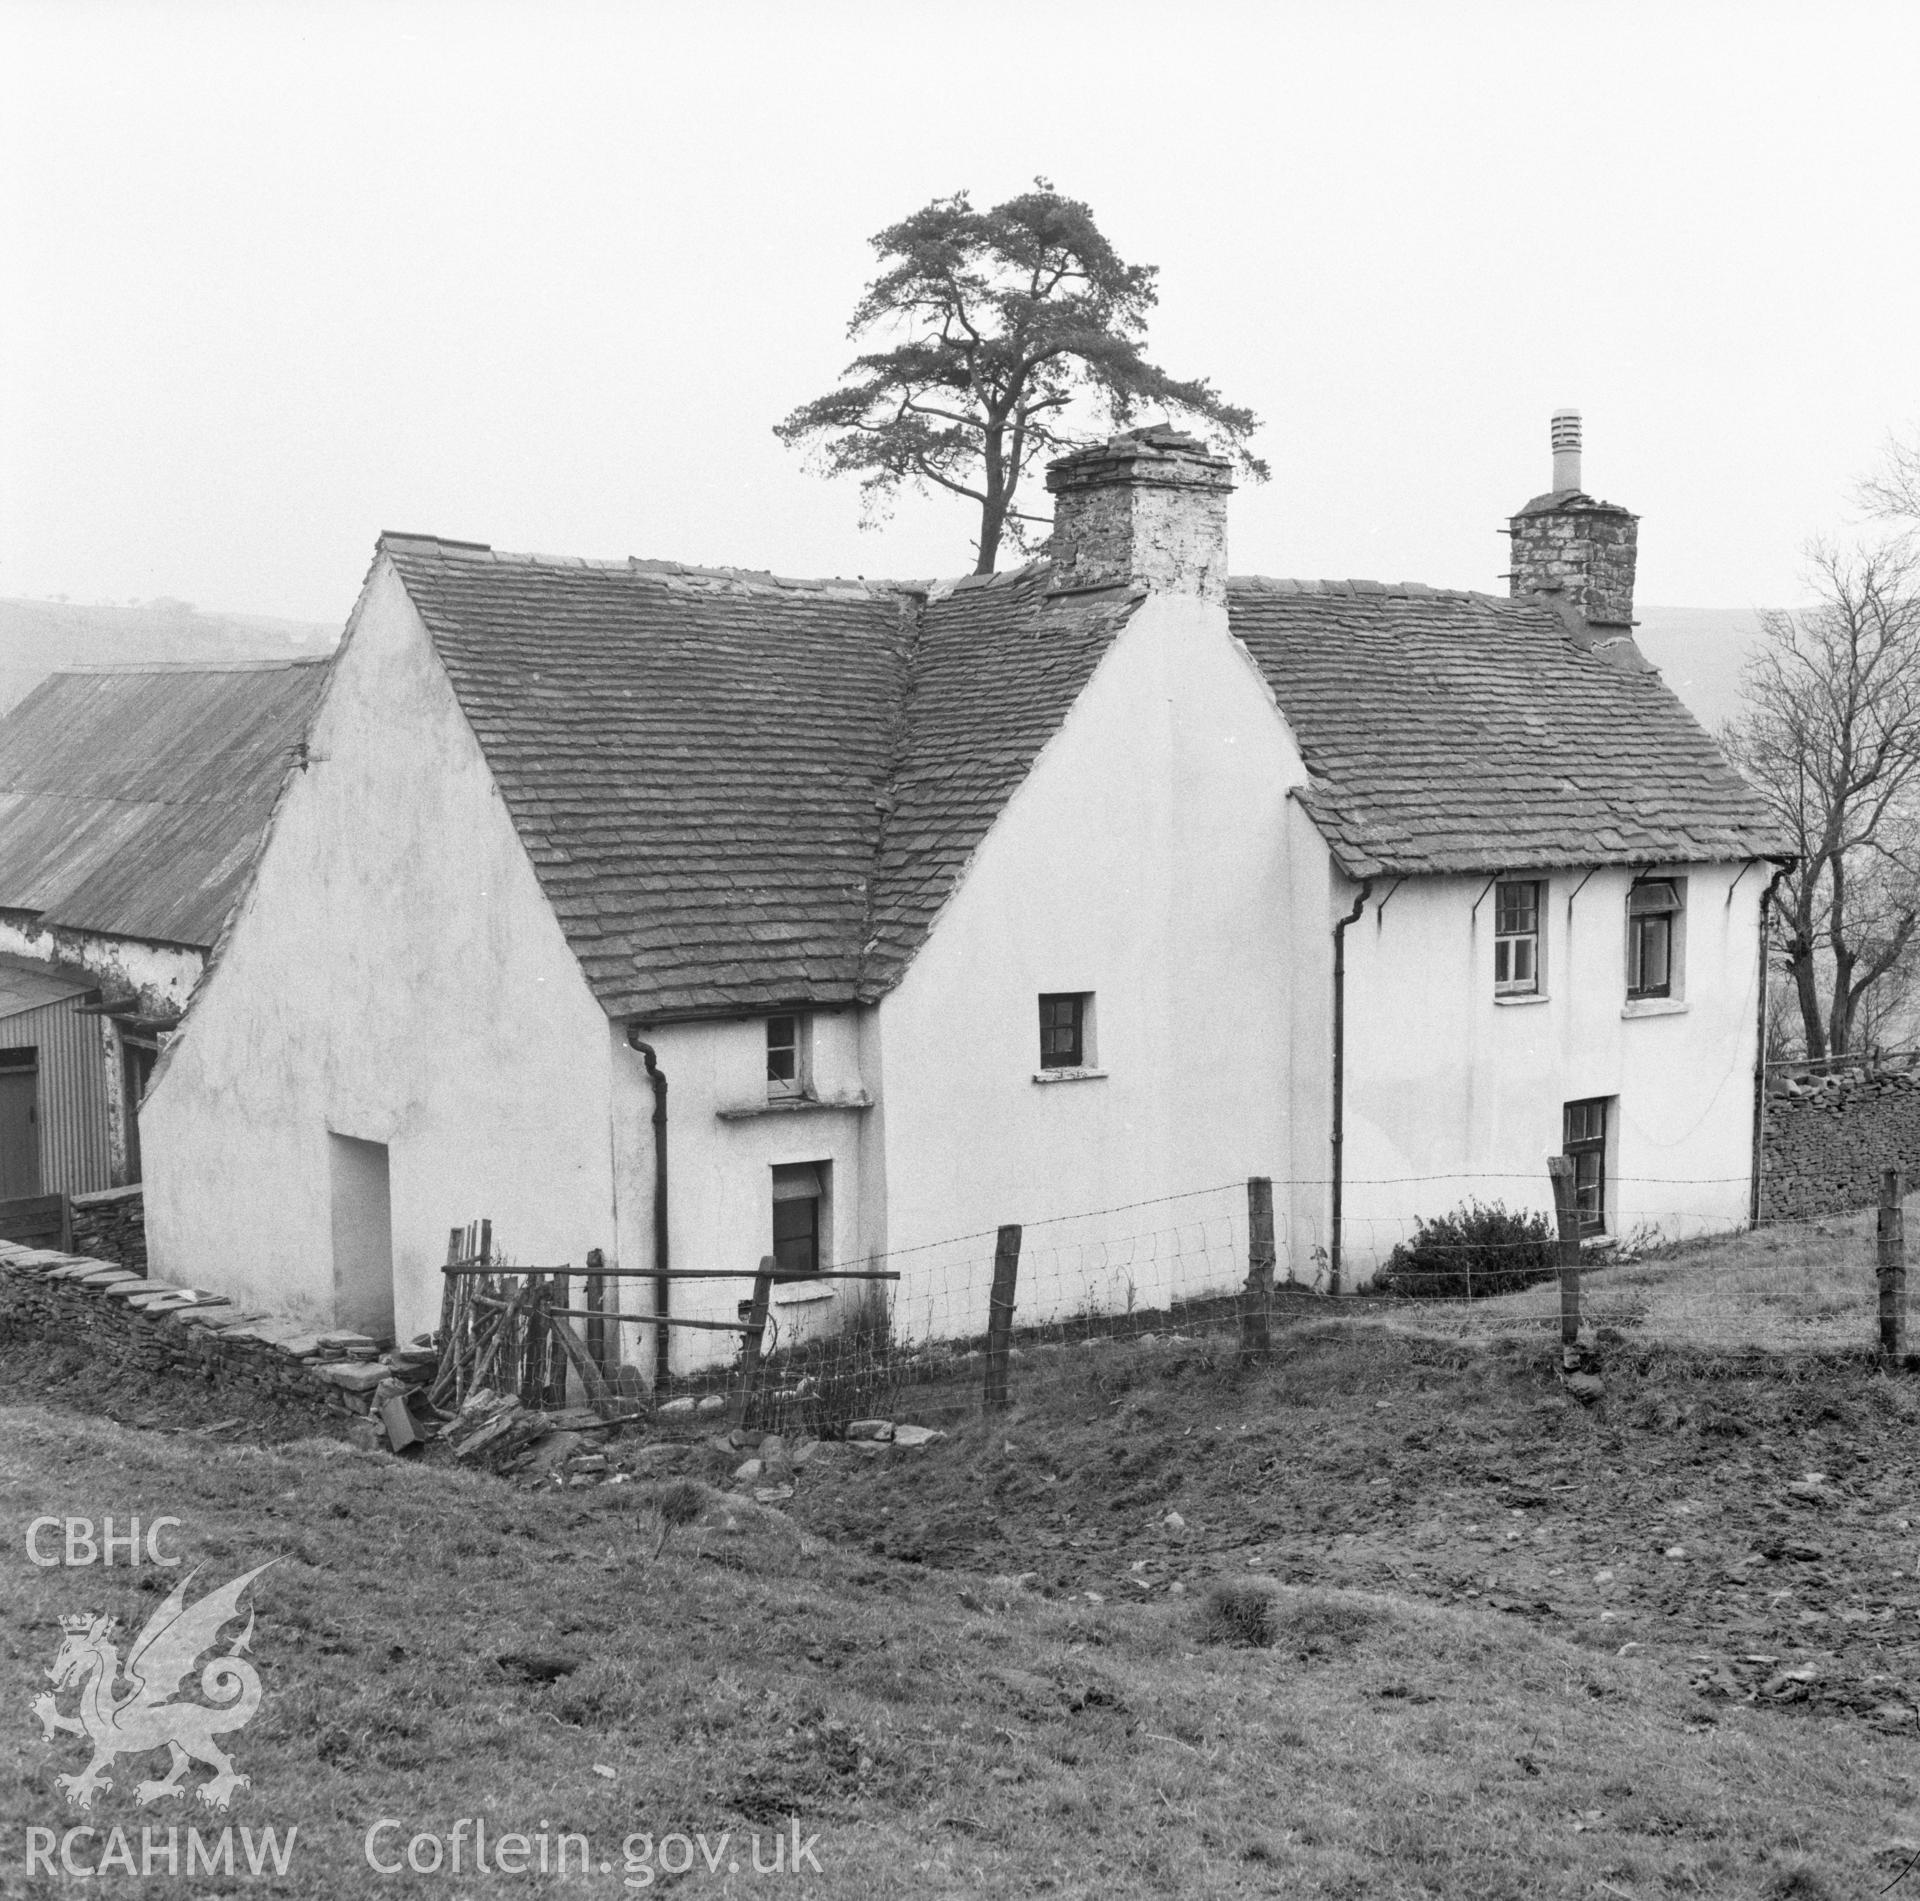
(596, 1301)
(1006, 1272)
(449, 1289)
(1567, 1212)
(750, 1371)
(1892, 1262)
(1256, 1336)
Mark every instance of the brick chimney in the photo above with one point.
(1567, 544)
(1148, 505)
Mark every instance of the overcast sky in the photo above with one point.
(545, 274)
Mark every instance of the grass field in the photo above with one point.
(1447, 1711)
(1797, 1288)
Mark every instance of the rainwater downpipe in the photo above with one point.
(662, 1305)
(1754, 1200)
(1340, 1076)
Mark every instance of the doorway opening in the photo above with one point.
(19, 1123)
(362, 1236)
(137, 1059)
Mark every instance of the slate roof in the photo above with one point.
(132, 798)
(1458, 732)
(740, 792)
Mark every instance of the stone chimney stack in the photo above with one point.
(1149, 505)
(1567, 544)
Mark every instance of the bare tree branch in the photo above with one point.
(1830, 737)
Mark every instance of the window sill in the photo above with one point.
(793, 1106)
(799, 1293)
(1654, 1007)
(1069, 1075)
(1521, 1002)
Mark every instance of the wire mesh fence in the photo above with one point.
(968, 1320)
(948, 1328)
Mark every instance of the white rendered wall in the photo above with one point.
(1145, 859)
(161, 976)
(720, 1175)
(394, 974)
(1451, 1093)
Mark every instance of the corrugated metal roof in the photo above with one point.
(25, 985)
(131, 799)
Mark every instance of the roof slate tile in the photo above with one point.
(1454, 732)
(740, 792)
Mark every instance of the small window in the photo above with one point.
(1063, 1030)
(1516, 939)
(799, 1193)
(1653, 920)
(787, 1053)
(1585, 1146)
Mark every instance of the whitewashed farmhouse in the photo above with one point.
(695, 915)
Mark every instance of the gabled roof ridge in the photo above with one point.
(88, 668)
(763, 580)
(1398, 590)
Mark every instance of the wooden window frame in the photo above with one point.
(796, 1048)
(804, 1217)
(1585, 1129)
(1063, 1029)
(1516, 937)
(1642, 920)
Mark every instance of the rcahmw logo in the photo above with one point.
(145, 1716)
(83, 1852)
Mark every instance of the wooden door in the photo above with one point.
(19, 1132)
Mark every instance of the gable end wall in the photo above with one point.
(1144, 859)
(395, 975)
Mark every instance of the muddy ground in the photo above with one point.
(1753, 1525)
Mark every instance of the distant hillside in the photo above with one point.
(1700, 651)
(41, 637)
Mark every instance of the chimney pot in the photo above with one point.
(1566, 450)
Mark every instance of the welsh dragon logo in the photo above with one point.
(142, 1719)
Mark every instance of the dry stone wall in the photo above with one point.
(128, 1324)
(1828, 1138)
(111, 1227)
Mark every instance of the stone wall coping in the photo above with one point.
(163, 1324)
(100, 1197)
